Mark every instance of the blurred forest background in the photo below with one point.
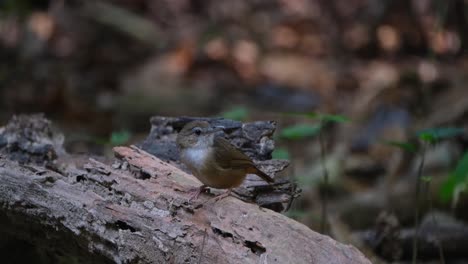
(379, 71)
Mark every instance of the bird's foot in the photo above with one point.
(222, 195)
(195, 193)
(198, 191)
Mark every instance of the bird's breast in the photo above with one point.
(204, 169)
(195, 158)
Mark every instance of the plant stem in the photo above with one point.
(323, 223)
(434, 221)
(416, 210)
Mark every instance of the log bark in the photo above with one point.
(136, 210)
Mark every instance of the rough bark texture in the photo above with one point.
(136, 210)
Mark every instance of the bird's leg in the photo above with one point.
(195, 193)
(223, 195)
(219, 197)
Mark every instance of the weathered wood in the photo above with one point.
(136, 210)
(31, 139)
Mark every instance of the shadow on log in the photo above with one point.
(109, 213)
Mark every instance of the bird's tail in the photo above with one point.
(261, 174)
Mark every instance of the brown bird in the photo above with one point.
(212, 159)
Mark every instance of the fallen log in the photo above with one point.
(134, 209)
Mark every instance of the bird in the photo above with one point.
(213, 160)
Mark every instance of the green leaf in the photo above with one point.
(323, 117)
(426, 178)
(328, 117)
(312, 115)
(119, 138)
(447, 189)
(432, 135)
(239, 113)
(458, 177)
(406, 146)
(280, 153)
(300, 131)
(334, 118)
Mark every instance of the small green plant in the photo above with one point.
(427, 137)
(328, 117)
(456, 182)
(239, 113)
(406, 146)
(280, 153)
(119, 137)
(300, 131)
(306, 130)
(435, 135)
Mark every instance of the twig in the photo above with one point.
(416, 210)
(323, 222)
(434, 221)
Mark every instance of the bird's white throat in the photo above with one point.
(195, 157)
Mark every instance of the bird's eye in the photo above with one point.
(197, 131)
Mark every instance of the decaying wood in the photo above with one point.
(136, 210)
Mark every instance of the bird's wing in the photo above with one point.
(228, 156)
